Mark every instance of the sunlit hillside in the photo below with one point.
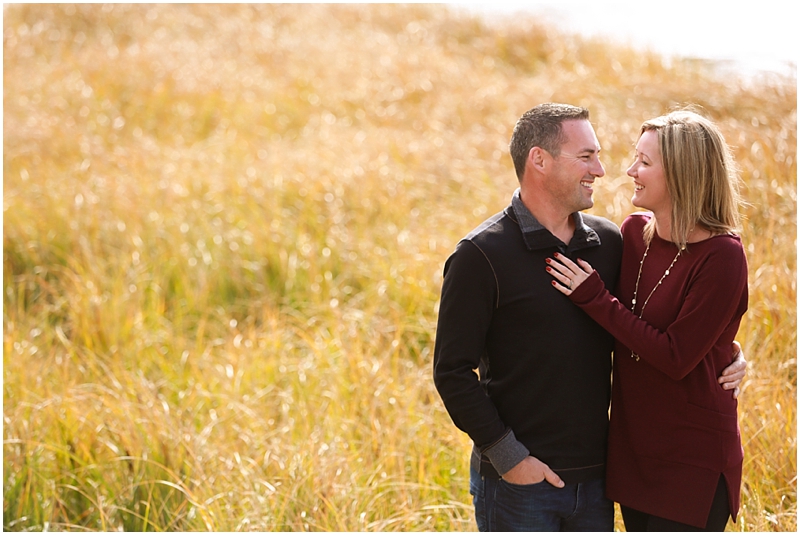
(224, 228)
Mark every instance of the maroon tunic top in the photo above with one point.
(673, 429)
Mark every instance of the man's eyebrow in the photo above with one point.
(583, 152)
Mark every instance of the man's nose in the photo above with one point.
(598, 169)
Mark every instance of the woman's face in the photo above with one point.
(650, 185)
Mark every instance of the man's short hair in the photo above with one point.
(541, 127)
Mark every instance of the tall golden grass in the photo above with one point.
(224, 229)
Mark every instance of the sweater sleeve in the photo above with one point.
(469, 297)
(716, 296)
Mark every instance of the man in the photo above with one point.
(538, 412)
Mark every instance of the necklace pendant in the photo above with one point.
(634, 356)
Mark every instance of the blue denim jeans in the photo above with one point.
(503, 506)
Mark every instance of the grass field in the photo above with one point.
(224, 231)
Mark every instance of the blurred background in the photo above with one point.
(224, 228)
(735, 36)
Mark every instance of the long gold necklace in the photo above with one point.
(636, 289)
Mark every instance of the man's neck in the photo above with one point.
(560, 225)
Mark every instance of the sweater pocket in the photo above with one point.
(711, 419)
(708, 438)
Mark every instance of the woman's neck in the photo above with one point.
(664, 230)
(663, 225)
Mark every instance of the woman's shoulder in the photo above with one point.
(726, 244)
(724, 254)
(635, 222)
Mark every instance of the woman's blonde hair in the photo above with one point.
(702, 178)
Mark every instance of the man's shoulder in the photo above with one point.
(493, 229)
(489, 239)
(483, 244)
(601, 225)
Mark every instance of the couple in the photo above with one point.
(539, 296)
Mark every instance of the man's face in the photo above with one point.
(573, 172)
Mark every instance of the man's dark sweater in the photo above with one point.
(544, 364)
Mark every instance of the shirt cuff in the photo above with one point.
(506, 453)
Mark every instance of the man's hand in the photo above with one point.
(531, 471)
(732, 376)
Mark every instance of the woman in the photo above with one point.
(674, 451)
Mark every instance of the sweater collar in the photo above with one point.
(536, 236)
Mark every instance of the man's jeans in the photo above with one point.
(503, 506)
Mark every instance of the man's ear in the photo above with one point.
(538, 158)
